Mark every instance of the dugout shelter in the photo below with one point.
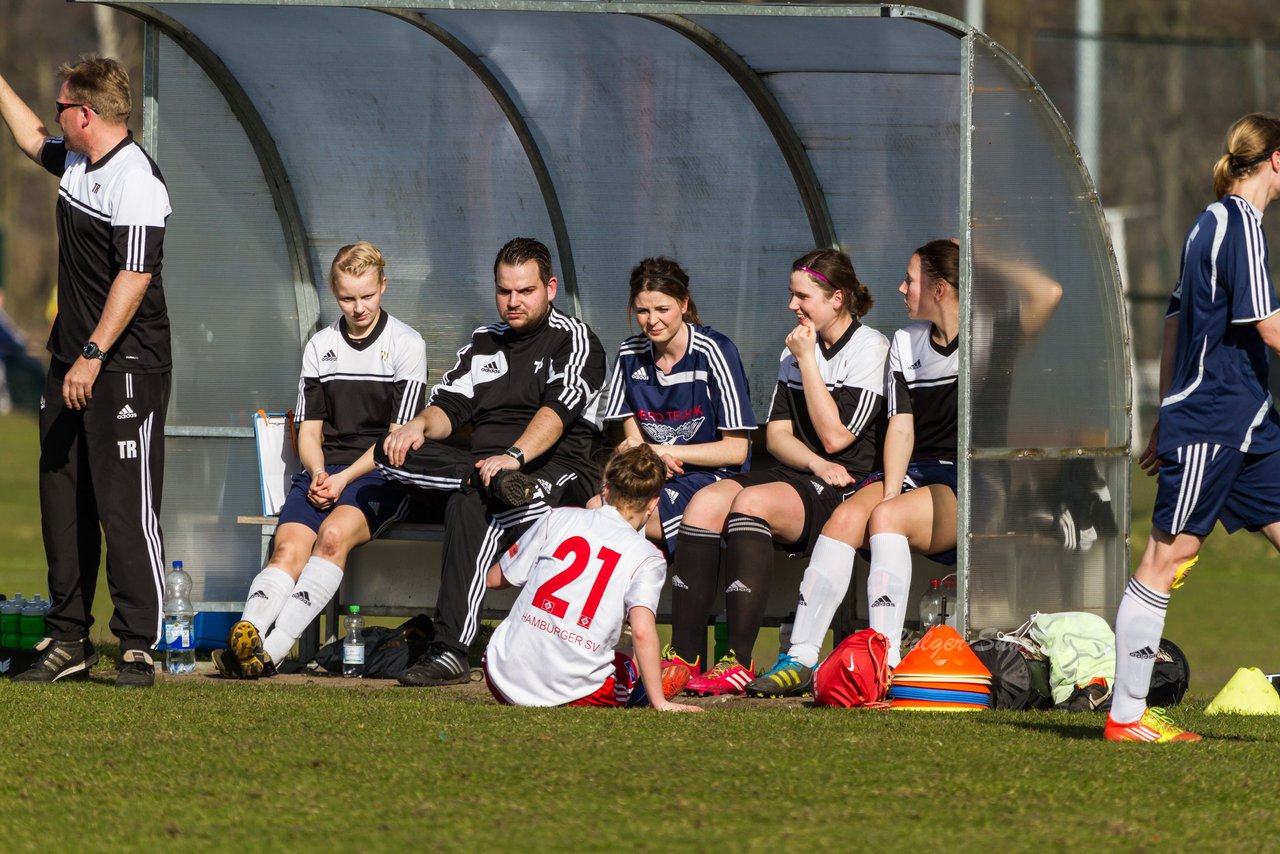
(731, 137)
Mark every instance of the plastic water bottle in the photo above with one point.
(10, 621)
(179, 619)
(353, 642)
(950, 601)
(931, 605)
(31, 622)
(721, 636)
(784, 633)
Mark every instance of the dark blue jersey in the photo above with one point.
(1218, 392)
(704, 394)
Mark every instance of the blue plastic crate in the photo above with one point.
(211, 629)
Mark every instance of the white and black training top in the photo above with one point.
(111, 217)
(853, 370)
(922, 382)
(359, 388)
(503, 377)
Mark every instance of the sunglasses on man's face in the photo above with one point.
(61, 107)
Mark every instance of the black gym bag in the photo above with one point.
(387, 651)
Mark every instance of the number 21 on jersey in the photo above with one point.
(580, 551)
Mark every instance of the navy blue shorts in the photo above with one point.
(920, 474)
(675, 496)
(1201, 484)
(381, 501)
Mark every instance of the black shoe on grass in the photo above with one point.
(59, 660)
(439, 665)
(137, 670)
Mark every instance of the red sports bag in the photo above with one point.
(855, 674)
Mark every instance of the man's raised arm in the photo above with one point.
(27, 129)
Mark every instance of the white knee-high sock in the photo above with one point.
(823, 588)
(1139, 624)
(887, 586)
(268, 592)
(317, 584)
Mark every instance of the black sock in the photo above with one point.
(693, 589)
(750, 562)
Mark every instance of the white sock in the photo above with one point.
(1139, 624)
(268, 592)
(887, 586)
(823, 588)
(317, 584)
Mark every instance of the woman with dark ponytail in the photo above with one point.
(679, 387)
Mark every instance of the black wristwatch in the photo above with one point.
(93, 351)
(515, 454)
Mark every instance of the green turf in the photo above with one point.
(297, 768)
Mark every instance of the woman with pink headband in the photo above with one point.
(823, 431)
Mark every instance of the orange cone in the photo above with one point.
(941, 654)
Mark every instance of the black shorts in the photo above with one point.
(820, 500)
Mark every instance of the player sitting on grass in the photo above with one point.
(361, 374)
(584, 572)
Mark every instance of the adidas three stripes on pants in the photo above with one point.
(102, 474)
(477, 530)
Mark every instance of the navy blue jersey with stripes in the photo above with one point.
(358, 388)
(1219, 392)
(702, 395)
(111, 217)
(922, 382)
(853, 371)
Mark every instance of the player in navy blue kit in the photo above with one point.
(528, 388)
(103, 410)
(680, 388)
(1216, 447)
(364, 373)
(822, 429)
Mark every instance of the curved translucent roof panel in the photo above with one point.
(734, 138)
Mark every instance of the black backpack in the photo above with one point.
(387, 651)
(1019, 680)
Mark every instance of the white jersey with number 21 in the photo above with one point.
(582, 571)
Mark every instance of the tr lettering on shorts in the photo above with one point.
(128, 449)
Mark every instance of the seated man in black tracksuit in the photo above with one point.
(528, 387)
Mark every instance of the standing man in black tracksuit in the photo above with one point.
(103, 408)
(528, 387)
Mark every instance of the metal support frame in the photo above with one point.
(507, 103)
(964, 459)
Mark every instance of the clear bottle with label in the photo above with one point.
(784, 633)
(950, 600)
(931, 606)
(353, 643)
(179, 622)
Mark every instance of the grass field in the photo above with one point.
(328, 763)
